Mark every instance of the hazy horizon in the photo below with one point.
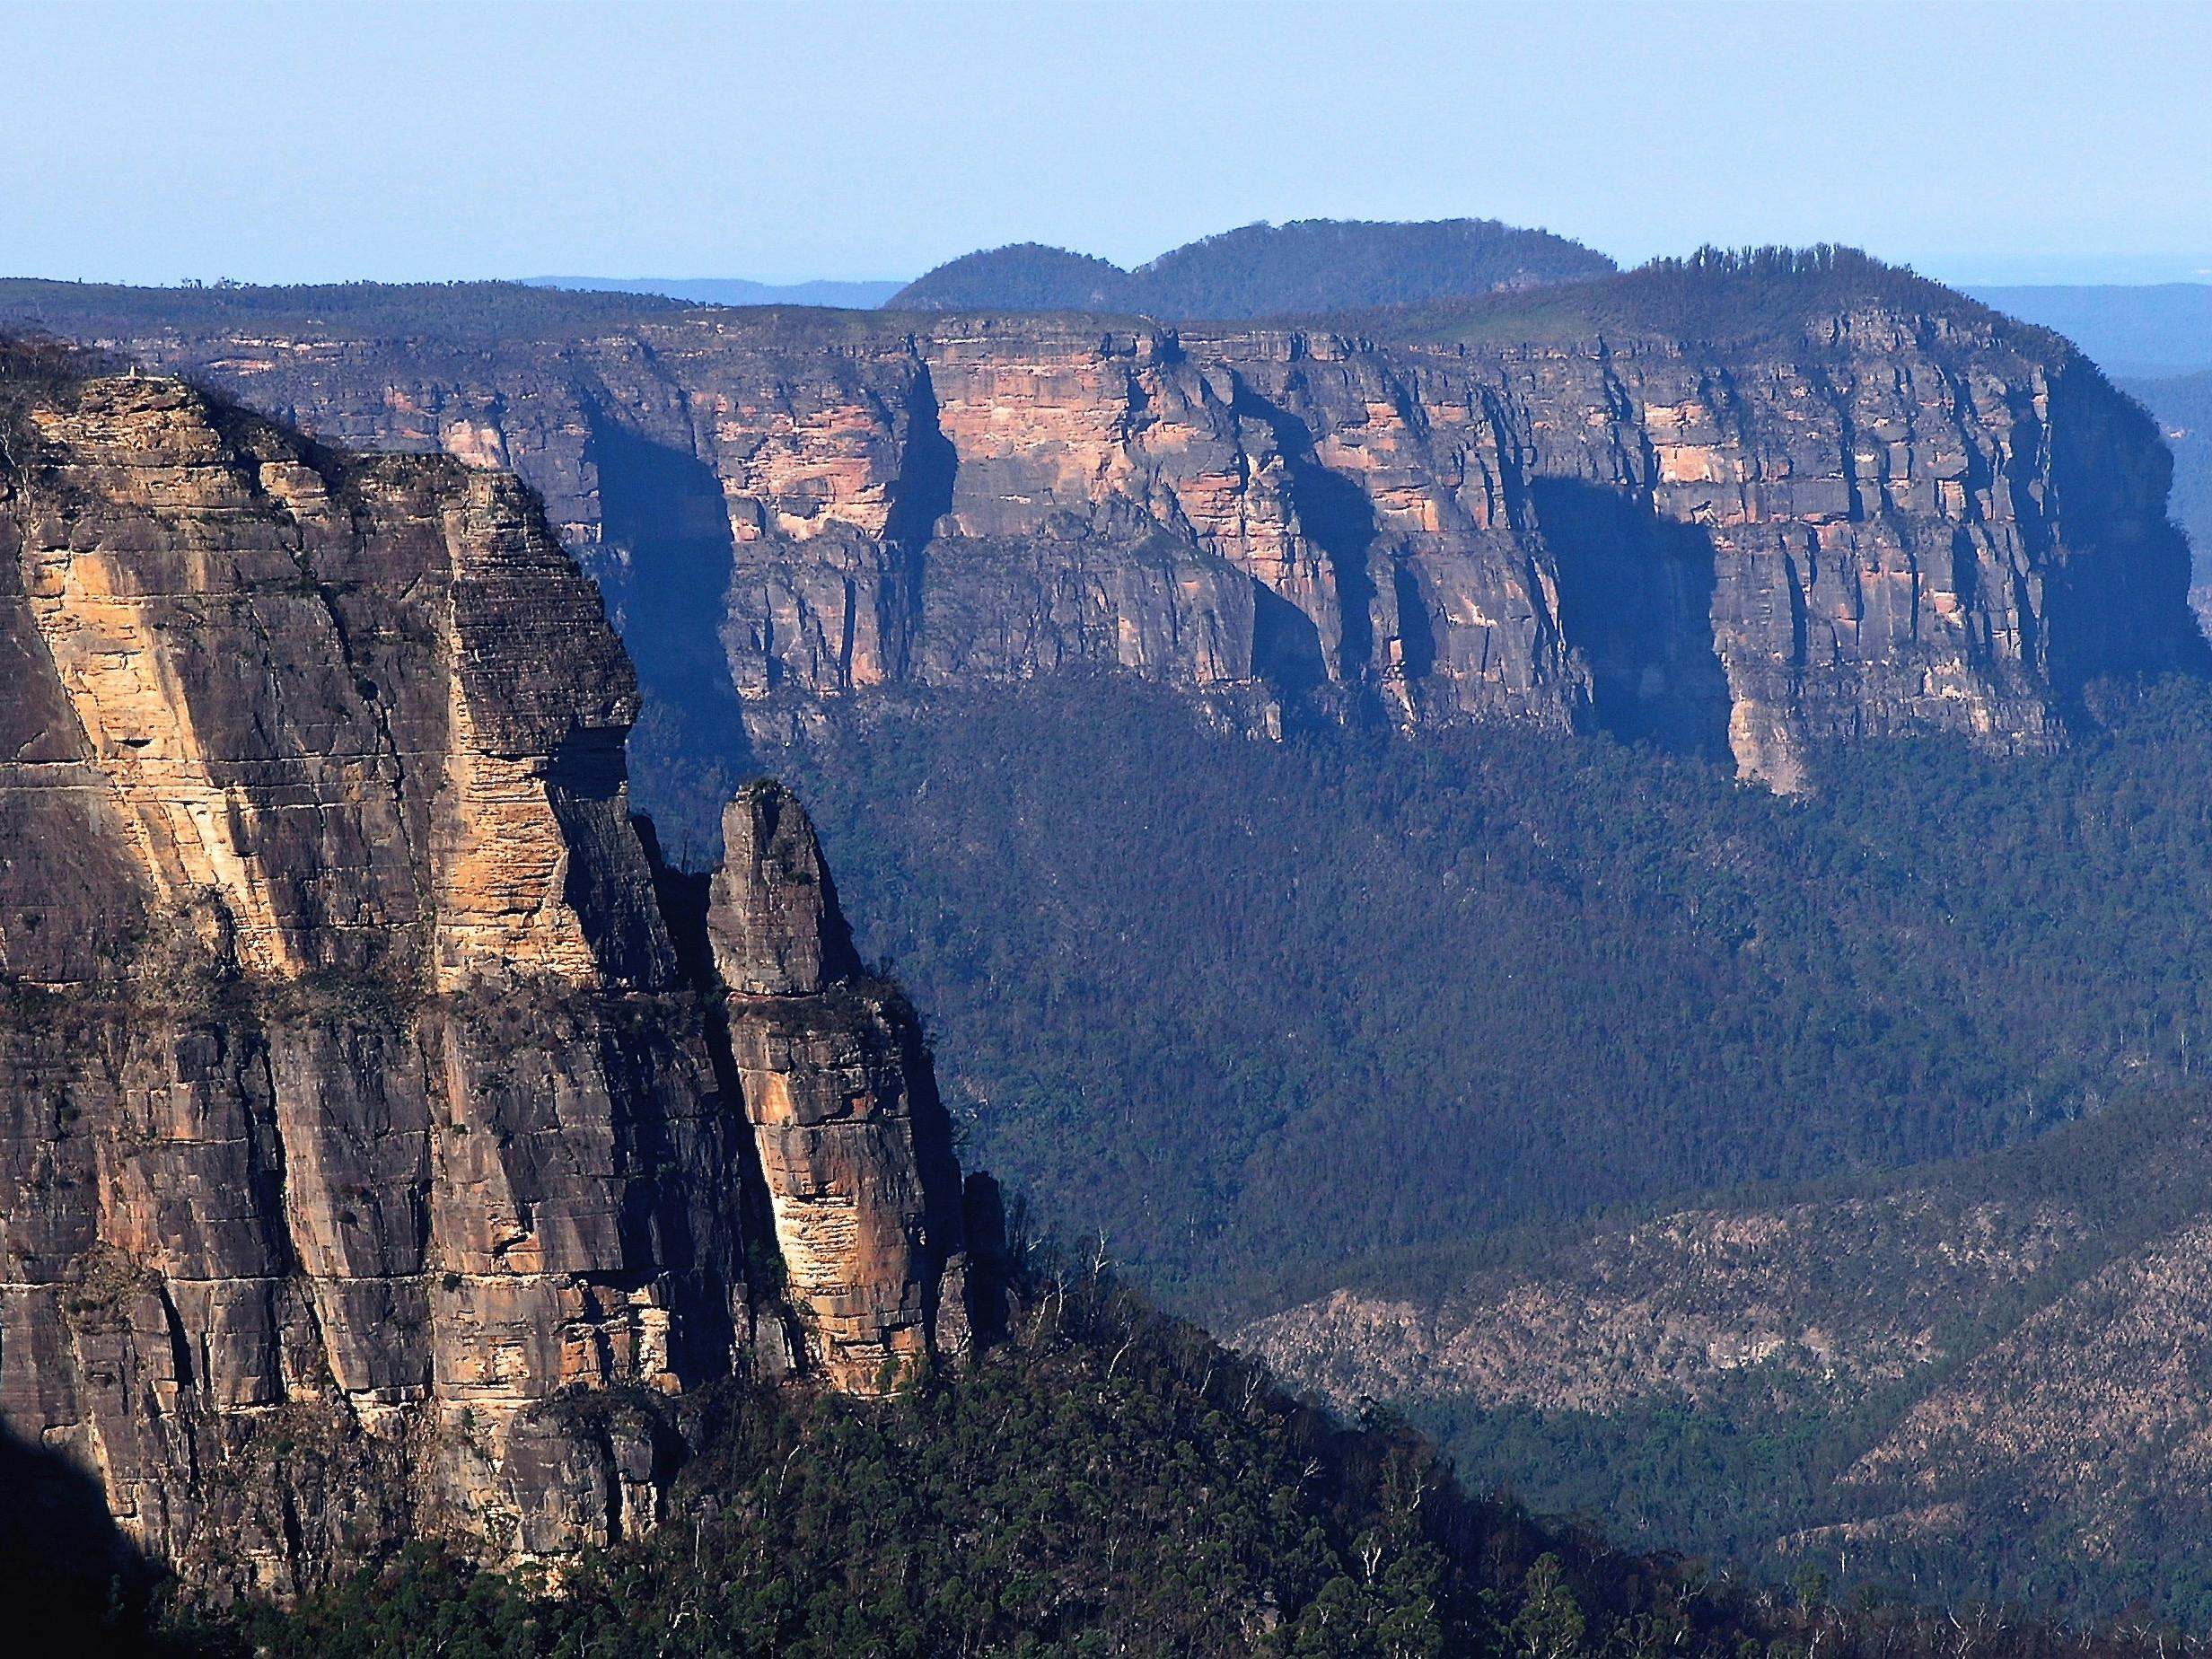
(1984, 143)
(1966, 273)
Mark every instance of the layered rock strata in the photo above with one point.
(1901, 514)
(855, 1146)
(366, 1164)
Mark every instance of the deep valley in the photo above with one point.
(1613, 869)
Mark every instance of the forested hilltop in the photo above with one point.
(483, 312)
(1980, 1377)
(1262, 270)
(1732, 296)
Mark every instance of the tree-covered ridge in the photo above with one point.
(485, 313)
(1258, 1011)
(1259, 270)
(1714, 297)
(1863, 1371)
(1329, 265)
(1019, 276)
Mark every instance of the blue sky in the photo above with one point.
(1982, 140)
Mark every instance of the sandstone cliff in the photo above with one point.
(855, 1147)
(1810, 501)
(365, 1168)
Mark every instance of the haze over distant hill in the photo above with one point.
(2152, 329)
(2182, 405)
(733, 290)
(1312, 265)
(2156, 340)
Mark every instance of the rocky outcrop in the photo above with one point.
(1678, 1307)
(855, 1147)
(367, 1165)
(1892, 513)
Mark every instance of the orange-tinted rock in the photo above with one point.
(854, 1145)
(1909, 517)
(356, 1119)
(350, 1107)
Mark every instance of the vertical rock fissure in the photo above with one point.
(1636, 598)
(1340, 519)
(667, 573)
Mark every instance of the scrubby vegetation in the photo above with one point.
(1717, 295)
(1020, 277)
(1765, 1454)
(1327, 264)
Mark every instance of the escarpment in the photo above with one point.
(1797, 506)
(368, 1166)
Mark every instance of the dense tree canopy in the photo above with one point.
(481, 312)
(1308, 267)
(1256, 1011)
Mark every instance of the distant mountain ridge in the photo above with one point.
(733, 290)
(1306, 267)
(1408, 513)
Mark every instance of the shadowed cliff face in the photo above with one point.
(1917, 520)
(666, 558)
(662, 511)
(357, 1110)
(1636, 601)
(2111, 474)
(63, 1564)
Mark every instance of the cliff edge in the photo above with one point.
(368, 1167)
(1743, 506)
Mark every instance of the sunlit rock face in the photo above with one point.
(1897, 516)
(855, 1147)
(368, 1165)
